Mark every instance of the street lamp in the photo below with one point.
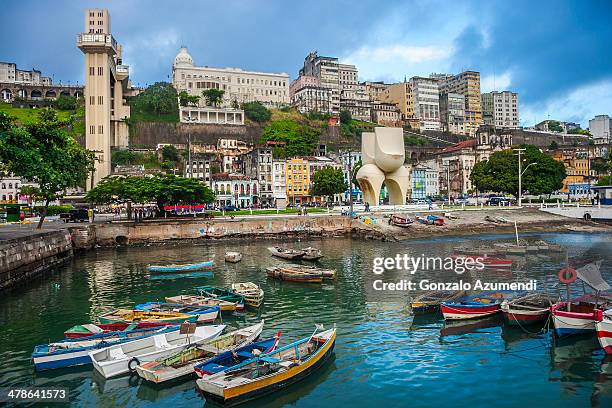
(520, 192)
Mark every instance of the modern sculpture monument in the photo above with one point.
(382, 155)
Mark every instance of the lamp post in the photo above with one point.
(520, 178)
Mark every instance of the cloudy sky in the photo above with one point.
(556, 54)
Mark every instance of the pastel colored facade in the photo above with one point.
(452, 113)
(298, 180)
(9, 190)
(308, 95)
(601, 129)
(466, 83)
(279, 183)
(399, 95)
(258, 164)
(234, 189)
(106, 84)
(271, 89)
(386, 114)
(383, 155)
(577, 167)
(501, 109)
(374, 89)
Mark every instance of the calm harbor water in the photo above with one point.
(383, 354)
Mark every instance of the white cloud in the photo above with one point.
(496, 82)
(152, 48)
(579, 105)
(401, 52)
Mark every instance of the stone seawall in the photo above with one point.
(23, 257)
(148, 232)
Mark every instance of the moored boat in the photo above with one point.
(400, 220)
(126, 315)
(294, 276)
(269, 372)
(529, 309)
(604, 330)
(579, 315)
(73, 352)
(206, 314)
(180, 268)
(233, 257)
(430, 301)
(486, 261)
(472, 307)
(89, 329)
(312, 254)
(123, 358)
(199, 300)
(253, 294)
(216, 292)
(325, 273)
(286, 253)
(181, 364)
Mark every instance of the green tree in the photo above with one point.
(345, 117)
(500, 172)
(553, 145)
(213, 96)
(328, 182)
(600, 166)
(188, 100)
(555, 126)
(171, 154)
(66, 103)
(605, 181)
(45, 154)
(123, 158)
(300, 139)
(235, 104)
(159, 99)
(256, 112)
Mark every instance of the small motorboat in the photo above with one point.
(253, 294)
(269, 372)
(73, 352)
(604, 330)
(400, 221)
(228, 359)
(123, 358)
(180, 268)
(286, 253)
(89, 329)
(474, 306)
(429, 302)
(199, 300)
(181, 364)
(294, 276)
(126, 315)
(312, 254)
(233, 257)
(206, 314)
(529, 309)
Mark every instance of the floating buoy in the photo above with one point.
(567, 275)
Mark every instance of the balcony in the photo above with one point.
(96, 42)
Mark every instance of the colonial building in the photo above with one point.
(308, 95)
(258, 164)
(374, 89)
(279, 183)
(234, 189)
(500, 109)
(10, 74)
(298, 180)
(577, 167)
(9, 190)
(399, 95)
(239, 86)
(466, 83)
(355, 100)
(106, 85)
(452, 113)
(386, 114)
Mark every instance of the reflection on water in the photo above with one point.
(383, 355)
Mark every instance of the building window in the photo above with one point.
(100, 71)
(92, 100)
(100, 100)
(92, 130)
(92, 70)
(101, 129)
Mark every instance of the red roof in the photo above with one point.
(465, 144)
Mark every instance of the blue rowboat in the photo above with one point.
(206, 314)
(188, 275)
(73, 352)
(181, 268)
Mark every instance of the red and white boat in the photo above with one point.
(604, 330)
(529, 309)
(472, 307)
(487, 261)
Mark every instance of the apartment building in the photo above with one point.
(9, 73)
(258, 164)
(466, 83)
(326, 70)
(500, 109)
(298, 181)
(452, 113)
(279, 183)
(308, 95)
(424, 103)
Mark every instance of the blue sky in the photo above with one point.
(556, 54)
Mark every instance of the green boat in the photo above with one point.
(221, 294)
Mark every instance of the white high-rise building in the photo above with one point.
(424, 104)
(601, 129)
(500, 109)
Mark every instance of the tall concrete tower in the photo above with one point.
(106, 85)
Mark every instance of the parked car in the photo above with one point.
(498, 201)
(75, 215)
(230, 208)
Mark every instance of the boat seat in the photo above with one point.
(244, 354)
(93, 328)
(270, 360)
(162, 343)
(116, 354)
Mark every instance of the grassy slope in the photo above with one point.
(27, 116)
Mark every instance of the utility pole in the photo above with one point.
(520, 195)
(189, 155)
(350, 177)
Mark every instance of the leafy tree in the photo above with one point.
(316, 115)
(555, 126)
(123, 158)
(553, 145)
(235, 104)
(300, 139)
(45, 154)
(213, 96)
(66, 103)
(170, 153)
(327, 182)
(188, 100)
(579, 131)
(605, 181)
(256, 112)
(345, 117)
(159, 98)
(500, 172)
(600, 165)
(356, 168)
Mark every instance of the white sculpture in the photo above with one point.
(382, 156)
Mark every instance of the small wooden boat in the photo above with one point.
(312, 254)
(269, 372)
(181, 364)
(206, 314)
(181, 275)
(180, 268)
(430, 220)
(123, 358)
(89, 329)
(222, 294)
(325, 273)
(400, 221)
(604, 330)
(472, 307)
(579, 315)
(198, 300)
(228, 359)
(486, 261)
(294, 276)
(430, 301)
(286, 253)
(73, 352)
(253, 294)
(496, 220)
(125, 315)
(528, 309)
(233, 257)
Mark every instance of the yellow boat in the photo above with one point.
(126, 315)
(269, 372)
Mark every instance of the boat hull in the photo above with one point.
(461, 312)
(604, 335)
(81, 331)
(568, 323)
(50, 362)
(519, 317)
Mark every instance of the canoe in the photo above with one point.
(228, 359)
(269, 372)
(580, 316)
(529, 309)
(73, 352)
(294, 276)
(181, 275)
(604, 330)
(429, 302)
(312, 254)
(216, 292)
(253, 294)
(89, 329)
(473, 306)
(400, 221)
(195, 300)
(286, 253)
(233, 257)
(123, 358)
(125, 315)
(206, 314)
(181, 364)
(180, 268)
